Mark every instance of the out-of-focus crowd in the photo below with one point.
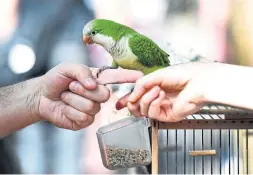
(37, 35)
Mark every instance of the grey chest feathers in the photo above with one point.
(119, 49)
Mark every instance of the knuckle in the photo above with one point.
(75, 127)
(98, 107)
(139, 82)
(90, 106)
(144, 102)
(91, 121)
(130, 106)
(142, 81)
(84, 117)
(105, 96)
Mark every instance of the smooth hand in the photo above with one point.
(170, 94)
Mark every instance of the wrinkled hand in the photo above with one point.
(70, 97)
(170, 94)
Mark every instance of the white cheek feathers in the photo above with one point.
(103, 40)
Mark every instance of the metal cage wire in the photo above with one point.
(227, 130)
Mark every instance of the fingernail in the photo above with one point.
(118, 106)
(89, 82)
(73, 86)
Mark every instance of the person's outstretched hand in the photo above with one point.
(172, 93)
(70, 97)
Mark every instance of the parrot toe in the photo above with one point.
(104, 68)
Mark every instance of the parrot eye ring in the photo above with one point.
(93, 32)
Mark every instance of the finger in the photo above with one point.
(101, 94)
(115, 76)
(134, 109)
(75, 115)
(77, 88)
(186, 104)
(80, 103)
(144, 84)
(147, 99)
(155, 107)
(87, 123)
(122, 103)
(79, 72)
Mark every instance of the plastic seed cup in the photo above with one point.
(125, 143)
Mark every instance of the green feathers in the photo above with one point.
(111, 28)
(129, 49)
(148, 52)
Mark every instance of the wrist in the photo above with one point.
(19, 106)
(33, 99)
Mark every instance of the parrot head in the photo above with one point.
(104, 32)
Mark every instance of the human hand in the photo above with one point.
(172, 93)
(70, 97)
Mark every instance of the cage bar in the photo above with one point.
(226, 130)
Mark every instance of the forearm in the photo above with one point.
(18, 105)
(231, 85)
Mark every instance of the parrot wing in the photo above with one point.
(148, 52)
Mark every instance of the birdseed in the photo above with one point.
(124, 158)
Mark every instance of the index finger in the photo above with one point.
(144, 84)
(117, 76)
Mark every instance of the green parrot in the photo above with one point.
(128, 48)
(132, 50)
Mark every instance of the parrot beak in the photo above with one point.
(87, 40)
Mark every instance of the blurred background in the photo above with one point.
(36, 35)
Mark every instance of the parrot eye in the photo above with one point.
(93, 32)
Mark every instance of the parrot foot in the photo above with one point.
(104, 68)
(132, 90)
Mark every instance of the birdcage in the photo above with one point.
(215, 140)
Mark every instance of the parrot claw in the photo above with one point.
(104, 68)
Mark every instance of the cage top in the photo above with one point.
(221, 112)
(214, 117)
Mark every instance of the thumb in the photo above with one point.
(79, 72)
